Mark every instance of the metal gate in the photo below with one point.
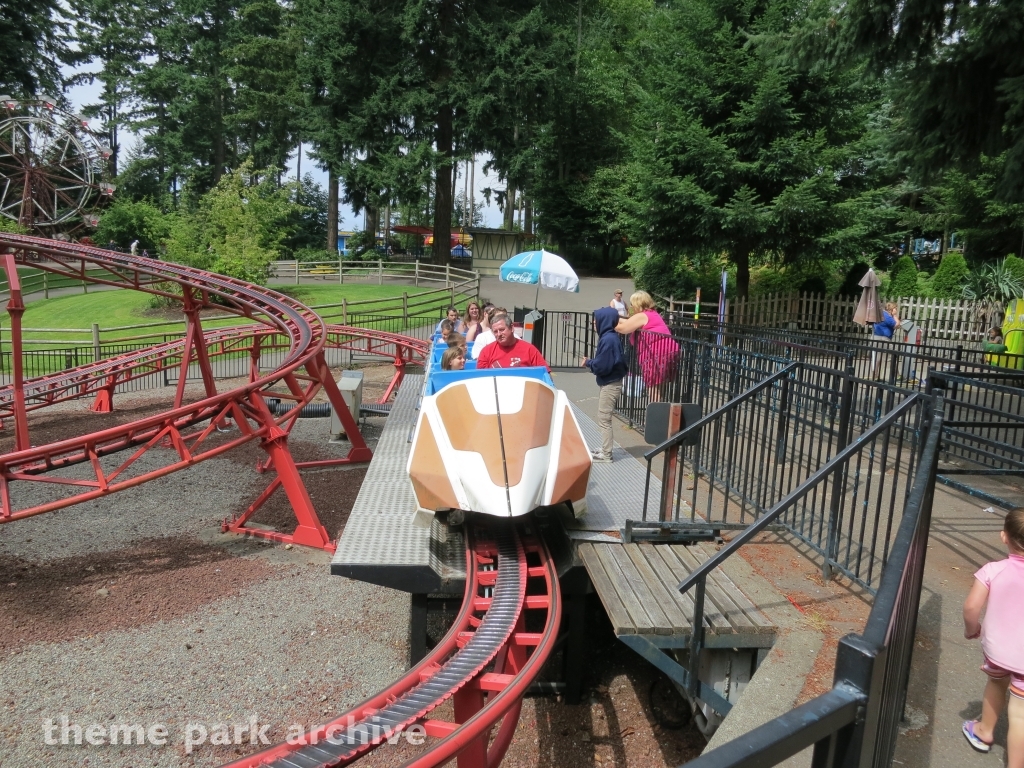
(567, 337)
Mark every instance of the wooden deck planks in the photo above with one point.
(637, 584)
(621, 621)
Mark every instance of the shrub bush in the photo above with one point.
(949, 279)
(903, 278)
(1014, 266)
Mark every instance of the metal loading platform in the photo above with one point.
(635, 583)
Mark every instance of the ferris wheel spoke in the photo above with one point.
(49, 166)
(64, 152)
(58, 193)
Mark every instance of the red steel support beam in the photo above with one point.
(309, 531)
(16, 308)
(199, 342)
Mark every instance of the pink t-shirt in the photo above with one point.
(1002, 631)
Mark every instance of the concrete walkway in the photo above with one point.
(945, 682)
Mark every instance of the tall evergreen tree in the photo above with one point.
(108, 32)
(958, 78)
(736, 151)
(33, 43)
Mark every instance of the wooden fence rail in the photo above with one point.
(943, 320)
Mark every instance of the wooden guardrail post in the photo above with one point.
(344, 311)
(296, 271)
(95, 342)
(340, 268)
(46, 287)
(416, 278)
(405, 309)
(380, 272)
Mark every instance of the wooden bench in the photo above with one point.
(637, 584)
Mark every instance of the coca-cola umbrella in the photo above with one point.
(869, 309)
(541, 268)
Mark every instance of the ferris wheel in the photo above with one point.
(51, 166)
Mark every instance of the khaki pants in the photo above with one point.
(606, 399)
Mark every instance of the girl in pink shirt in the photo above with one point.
(1000, 584)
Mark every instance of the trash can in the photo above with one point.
(532, 323)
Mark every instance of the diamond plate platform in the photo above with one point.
(615, 491)
(380, 544)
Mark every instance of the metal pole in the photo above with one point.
(696, 637)
(839, 477)
(15, 308)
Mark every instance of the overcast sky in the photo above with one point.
(348, 220)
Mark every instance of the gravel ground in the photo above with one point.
(135, 610)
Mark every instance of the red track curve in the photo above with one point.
(192, 432)
(189, 429)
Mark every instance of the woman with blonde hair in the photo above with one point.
(472, 323)
(657, 351)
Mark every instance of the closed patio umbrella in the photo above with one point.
(869, 309)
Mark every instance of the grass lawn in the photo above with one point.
(125, 307)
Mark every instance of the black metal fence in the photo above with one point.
(735, 465)
(903, 362)
(985, 400)
(566, 337)
(857, 722)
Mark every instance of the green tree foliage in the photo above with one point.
(127, 220)
(737, 151)
(949, 278)
(107, 32)
(309, 219)
(1015, 266)
(239, 226)
(578, 175)
(957, 79)
(903, 278)
(33, 43)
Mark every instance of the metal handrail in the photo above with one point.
(788, 734)
(856, 723)
(879, 619)
(691, 429)
(835, 464)
(694, 428)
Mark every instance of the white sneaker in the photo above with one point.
(600, 458)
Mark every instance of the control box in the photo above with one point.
(351, 386)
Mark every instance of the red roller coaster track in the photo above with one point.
(192, 430)
(487, 660)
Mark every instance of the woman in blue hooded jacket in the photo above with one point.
(609, 366)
